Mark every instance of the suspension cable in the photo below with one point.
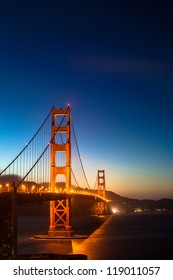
(79, 155)
(42, 152)
(95, 182)
(33, 165)
(75, 178)
(27, 144)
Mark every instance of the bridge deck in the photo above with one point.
(40, 197)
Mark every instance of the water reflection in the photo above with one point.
(123, 237)
(29, 225)
(94, 247)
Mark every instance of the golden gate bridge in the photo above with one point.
(36, 174)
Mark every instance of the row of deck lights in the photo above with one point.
(36, 189)
(5, 187)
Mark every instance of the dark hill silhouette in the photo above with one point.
(130, 204)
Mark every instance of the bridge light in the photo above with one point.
(23, 188)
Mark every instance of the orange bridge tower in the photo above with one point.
(101, 191)
(60, 218)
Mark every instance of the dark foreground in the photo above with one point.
(122, 237)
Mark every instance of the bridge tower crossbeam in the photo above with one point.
(60, 210)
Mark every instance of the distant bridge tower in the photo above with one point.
(60, 218)
(101, 191)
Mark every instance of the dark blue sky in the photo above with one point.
(113, 62)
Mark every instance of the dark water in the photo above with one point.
(127, 236)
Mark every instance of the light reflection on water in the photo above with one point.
(30, 225)
(118, 237)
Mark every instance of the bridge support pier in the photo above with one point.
(60, 222)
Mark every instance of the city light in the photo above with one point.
(114, 210)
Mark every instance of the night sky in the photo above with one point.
(113, 62)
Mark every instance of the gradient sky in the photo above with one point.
(113, 62)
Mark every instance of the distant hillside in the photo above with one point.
(128, 204)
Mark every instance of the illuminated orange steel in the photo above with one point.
(60, 218)
(101, 191)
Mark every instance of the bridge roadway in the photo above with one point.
(43, 196)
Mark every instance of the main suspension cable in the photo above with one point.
(71, 168)
(95, 182)
(79, 155)
(26, 145)
(75, 178)
(43, 151)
